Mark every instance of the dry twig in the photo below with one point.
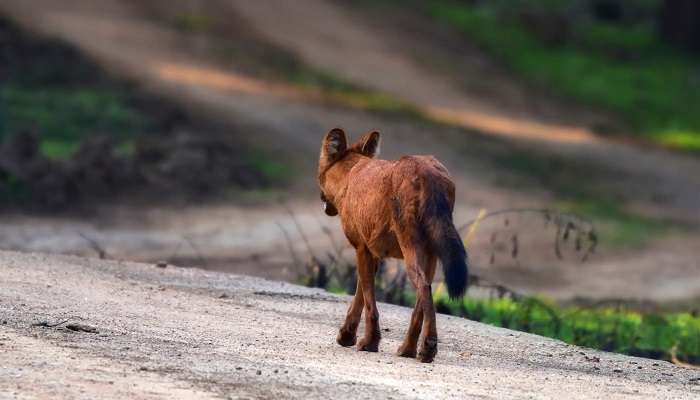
(95, 245)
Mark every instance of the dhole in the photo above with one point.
(400, 209)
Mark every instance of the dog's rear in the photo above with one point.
(446, 242)
(435, 193)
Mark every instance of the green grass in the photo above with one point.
(272, 170)
(688, 140)
(50, 88)
(59, 149)
(65, 115)
(628, 332)
(626, 70)
(619, 330)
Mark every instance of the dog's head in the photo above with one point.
(334, 149)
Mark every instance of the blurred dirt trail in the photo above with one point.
(128, 42)
(366, 51)
(324, 34)
(184, 333)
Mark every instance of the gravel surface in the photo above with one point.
(187, 333)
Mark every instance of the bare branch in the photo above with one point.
(300, 230)
(95, 245)
(194, 247)
(290, 245)
(545, 212)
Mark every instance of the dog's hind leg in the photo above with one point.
(420, 267)
(428, 348)
(410, 344)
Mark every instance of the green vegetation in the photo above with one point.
(615, 330)
(54, 94)
(623, 68)
(50, 87)
(64, 115)
(273, 171)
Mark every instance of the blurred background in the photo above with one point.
(186, 132)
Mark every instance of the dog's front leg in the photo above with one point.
(366, 268)
(347, 336)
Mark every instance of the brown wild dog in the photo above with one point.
(400, 209)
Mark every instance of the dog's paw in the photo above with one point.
(346, 338)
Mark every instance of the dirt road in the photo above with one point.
(185, 333)
(374, 51)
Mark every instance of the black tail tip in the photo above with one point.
(457, 282)
(457, 291)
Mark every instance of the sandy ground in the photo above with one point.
(187, 333)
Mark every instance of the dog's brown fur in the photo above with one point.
(400, 209)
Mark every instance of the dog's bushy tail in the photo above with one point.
(447, 244)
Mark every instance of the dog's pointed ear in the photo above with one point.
(370, 144)
(334, 145)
